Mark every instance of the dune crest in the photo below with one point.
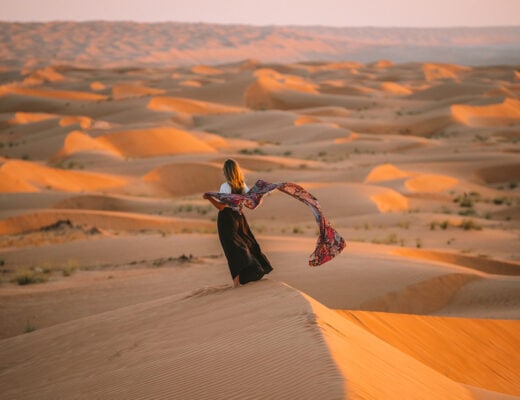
(181, 105)
(84, 122)
(28, 118)
(97, 86)
(430, 183)
(389, 201)
(374, 369)
(395, 88)
(127, 90)
(47, 74)
(433, 72)
(78, 141)
(263, 92)
(385, 172)
(52, 94)
(506, 113)
(206, 70)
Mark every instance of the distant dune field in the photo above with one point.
(113, 284)
(129, 44)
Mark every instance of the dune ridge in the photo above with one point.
(125, 221)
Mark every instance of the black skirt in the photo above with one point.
(240, 247)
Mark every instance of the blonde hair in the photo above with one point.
(234, 176)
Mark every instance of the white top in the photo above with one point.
(226, 188)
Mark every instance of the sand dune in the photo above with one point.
(506, 113)
(28, 118)
(126, 90)
(31, 176)
(430, 183)
(325, 356)
(395, 88)
(173, 104)
(433, 72)
(78, 141)
(137, 143)
(97, 86)
(421, 337)
(84, 122)
(47, 74)
(53, 94)
(100, 219)
(411, 181)
(185, 178)
(174, 356)
(385, 172)
(373, 368)
(498, 173)
(496, 267)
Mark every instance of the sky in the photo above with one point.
(395, 13)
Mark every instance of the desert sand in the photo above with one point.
(113, 281)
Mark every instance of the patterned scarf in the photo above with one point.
(329, 243)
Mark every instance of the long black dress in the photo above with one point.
(241, 248)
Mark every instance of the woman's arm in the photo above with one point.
(217, 204)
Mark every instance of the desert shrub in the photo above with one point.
(469, 224)
(468, 212)
(389, 239)
(29, 327)
(441, 224)
(29, 277)
(297, 230)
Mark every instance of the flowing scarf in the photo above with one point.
(329, 243)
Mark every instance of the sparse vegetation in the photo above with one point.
(390, 239)
(297, 230)
(465, 200)
(441, 224)
(29, 277)
(468, 212)
(404, 224)
(70, 164)
(480, 138)
(469, 224)
(254, 151)
(503, 200)
(29, 327)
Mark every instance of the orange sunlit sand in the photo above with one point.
(101, 179)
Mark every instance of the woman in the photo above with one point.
(245, 259)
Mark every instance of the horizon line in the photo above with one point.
(259, 25)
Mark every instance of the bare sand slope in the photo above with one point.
(179, 346)
(456, 347)
(284, 344)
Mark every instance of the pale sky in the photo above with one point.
(409, 13)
